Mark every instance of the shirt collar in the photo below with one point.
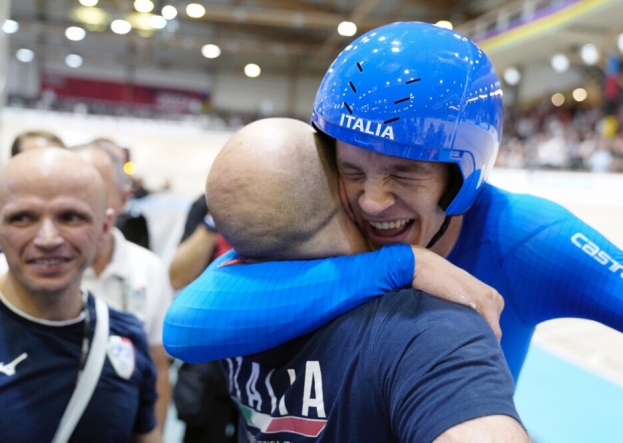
(117, 265)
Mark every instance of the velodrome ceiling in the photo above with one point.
(290, 36)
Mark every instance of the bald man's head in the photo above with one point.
(110, 167)
(53, 218)
(52, 171)
(273, 193)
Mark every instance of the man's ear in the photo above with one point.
(109, 219)
(344, 200)
(125, 196)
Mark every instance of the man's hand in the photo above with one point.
(440, 278)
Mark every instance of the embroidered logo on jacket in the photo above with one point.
(120, 352)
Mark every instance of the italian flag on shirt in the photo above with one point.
(270, 425)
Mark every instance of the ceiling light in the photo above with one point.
(252, 70)
(210, 51)
(143, 5)
(88, 2)
(75, 33)
(73, 61)
(10, 26)
(90, 16)
(579, 94)
(444, 24)
(560, 62)
(347, 29)
(120, 27)
(195, 10)
(157, 22)
(512, 76)
(169, 12)
(129, 168)
(619, 41)
(25, 55)
(558, 99)
(589, 54)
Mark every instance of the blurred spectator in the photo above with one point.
(601, 159)
(132, 224)
(129, 277)
(579, 139)
(35, 139)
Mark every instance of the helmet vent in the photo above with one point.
(350, 111)
(413, 80)
(391, 120)
(352, 86)
(402, 100)
(359, 66)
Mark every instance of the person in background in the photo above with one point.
(34, 140)
(130, 222)
(53, 217)
(201, 243)
(201, 395)
(127, 276)
(405, 367)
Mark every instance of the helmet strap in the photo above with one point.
(440, 233)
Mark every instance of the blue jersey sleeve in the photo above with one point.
(243, 309)
(574, 272)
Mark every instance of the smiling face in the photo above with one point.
(393, 200)
(52, 219)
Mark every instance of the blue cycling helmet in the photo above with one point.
(416, 91)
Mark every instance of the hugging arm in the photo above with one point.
(244, 309)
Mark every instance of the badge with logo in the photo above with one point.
(121, 355)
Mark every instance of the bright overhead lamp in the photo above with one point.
(143, 5)
(558, 99)
(75, 33)
(25, 55)
(210, 51)
(579, 94)
(589, 54)
(120, 27)
(88, 2)
(252, 70)
(129, 168)
(195, 10)
(73, 61)
(512, 76)
(169, 12)
(157, 22)
(10, 26)
(92, 18)
(560, 62)
(444, 24)
(347, 29)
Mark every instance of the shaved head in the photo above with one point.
(47, 171)
(111, 169)
(273, 193)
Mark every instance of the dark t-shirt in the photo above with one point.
(401, 368)
(33, 399)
